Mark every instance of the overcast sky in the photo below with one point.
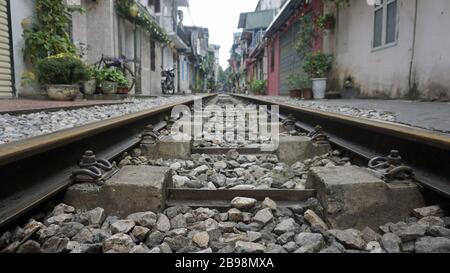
(221, 17)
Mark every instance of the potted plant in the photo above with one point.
(258, 86)
(29, 84)
(294, 86)
(300, 86)
(317, 66)
(90, 85)
(110, 79)
(123, 86)
(326, 21)
(62, 74)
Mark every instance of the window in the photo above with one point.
(156, 4)
(385, 24)
(272, 58)
(153, 55)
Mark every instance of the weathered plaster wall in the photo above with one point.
(184, 74)
(380, 73)
(385, 73)
(431, 63)
(101, 30)
(156, 75)
(20, 10)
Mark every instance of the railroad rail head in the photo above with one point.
(36, 169)
(426, 152)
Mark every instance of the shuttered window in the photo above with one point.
(6, 83)
(385, 24)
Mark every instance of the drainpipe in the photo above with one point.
(410, 80)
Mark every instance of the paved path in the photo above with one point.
(25, 106)
(433, 116)
(428, 115)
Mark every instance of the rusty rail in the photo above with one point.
(36, 169)
(427, 152)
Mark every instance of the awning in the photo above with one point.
(289, 8)
(256, 20)
(178, 42)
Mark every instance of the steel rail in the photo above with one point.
(425, 151)
(36, 169)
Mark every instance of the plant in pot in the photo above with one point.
(294, 84)
(90, 85)
(110, 79)
(61, 75)
(317, 65)
(258, 86)
(122, 86)
(299, 86)
(29, 84)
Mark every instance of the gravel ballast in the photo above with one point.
(19, 127)
(65, 229)
(342, 109)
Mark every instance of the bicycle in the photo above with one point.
(120, 63)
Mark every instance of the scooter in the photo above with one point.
(168, 81)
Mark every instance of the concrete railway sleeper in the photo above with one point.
(227, 195)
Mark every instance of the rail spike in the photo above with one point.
(318, 136)
(170, 122)
(150, 135)
(289, 123)
(93, 170)
(391, 167)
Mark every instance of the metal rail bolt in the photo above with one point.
(170, 122)
(319, 136)
(391, 167)
(289, 123)
(93, 170)
(150, 135)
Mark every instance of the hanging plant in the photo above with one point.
(304, 42)
(317, 64)
(326, 21)
(49, 35)
(131, 10)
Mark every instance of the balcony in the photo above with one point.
(183, 35)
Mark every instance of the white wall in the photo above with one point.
(431, 58)
(102, 30)
(155, 76)
(184, 74)
(269, 4)
(381, 73)
(385, 73)
(20, 10)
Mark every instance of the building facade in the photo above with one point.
(249, 53)
(394, 50)
(281, 37)
(101, 30)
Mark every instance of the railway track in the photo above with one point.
(36, 169)
(426, 152)
(40, 168)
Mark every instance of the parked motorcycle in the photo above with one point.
(168, 81)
